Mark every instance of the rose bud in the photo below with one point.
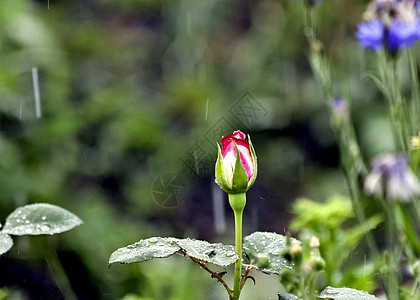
(236, 165)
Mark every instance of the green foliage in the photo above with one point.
(345, 294)
(40, 218)
(318, 216)
(331, 222)
(287, 296)
(6, 242)
(36, 219)
(265, 251)
(157, 247)
(135, 297)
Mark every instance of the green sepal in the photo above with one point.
(240, 179)
(220, 172)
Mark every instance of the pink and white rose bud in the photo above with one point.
(236, 166)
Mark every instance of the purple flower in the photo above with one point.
(391, 177)
(370, 35)
(401, 35)
(418, 29)
(395, 36)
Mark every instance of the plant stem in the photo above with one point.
(359, 212)
(216, 275)
(59, 274)
(309, 25)
(238, 248)
(415, 94)
(245, 276)
(237, 202)
(391, 275)
(390, 87)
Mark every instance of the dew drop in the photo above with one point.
(45, 227)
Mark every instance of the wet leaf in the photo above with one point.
(287, 296)
(157, 247)
(264, 251)
(40, 218)
(217, 254)
(6, 243)
(143, 250)
(345, 294)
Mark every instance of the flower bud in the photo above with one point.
(415, 142)
(340, 111)
(314, 242)
(295, 249)
(236, 165)
(318, 263)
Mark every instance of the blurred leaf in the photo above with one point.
(382, 86)
(345, 294)
(287, 296)
(353, 235)
(360, 277)
(3, 293)
(311, 214)
(264, 251)
(157, 247)
(135, 297)
(40, 218)
(6, 243)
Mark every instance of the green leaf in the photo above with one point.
(313, 215)
(157, 247)
(40, 218)
(144, 250)
(287, 296)
(264, 251)
(345, 294)
(220, 171)
(6, 243)
(217, 254)
(379, 83)
(352, 236)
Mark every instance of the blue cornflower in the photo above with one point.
(397, 35)
(391, 177)
(370, 35)
(401, 35)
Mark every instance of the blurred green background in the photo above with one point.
(133, 90)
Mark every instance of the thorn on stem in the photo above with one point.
(221, 274)
(252, 278)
